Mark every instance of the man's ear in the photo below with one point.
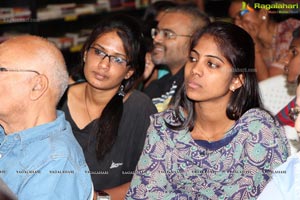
(237, 82)
(39, 86)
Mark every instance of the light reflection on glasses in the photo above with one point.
(167, 34)
(114, 60)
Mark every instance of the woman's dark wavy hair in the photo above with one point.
(129, 30)
(237, 46)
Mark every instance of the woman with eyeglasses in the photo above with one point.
(285, 183)
(216, 141)
(110, 119)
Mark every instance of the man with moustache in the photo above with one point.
(171, 41)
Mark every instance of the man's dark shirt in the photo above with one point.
(161, 91)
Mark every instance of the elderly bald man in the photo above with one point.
(39, 156)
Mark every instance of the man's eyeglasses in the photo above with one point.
(114, 60)
(167, 34)
(294, 112)
(3, 69)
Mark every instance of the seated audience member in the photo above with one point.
(234, 11)
(272, 36)
(292, 61)
(150, 19)
(110, 119)
(215, 142)
(285, 183)
(292, 69)
(40, 157)
(171, 40)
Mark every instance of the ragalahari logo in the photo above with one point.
(245, 9)
(281, 8)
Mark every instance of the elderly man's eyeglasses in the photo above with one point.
(3, 69)
(114, 60)
(167, 34)
(294, 112)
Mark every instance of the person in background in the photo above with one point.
(271, 36)
(292, 59)
(171, 41)
(40, 157)
(110, 119)
(234, 11)
(286, 178)
(292, 69)
(215, 141)
(150, 20)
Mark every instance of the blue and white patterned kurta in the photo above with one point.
(174, 166)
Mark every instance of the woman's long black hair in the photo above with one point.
(237, 47)
(130, 32)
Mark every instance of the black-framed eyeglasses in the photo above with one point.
(114, 60)
(4, 69)
(294, 112)
(167, 34)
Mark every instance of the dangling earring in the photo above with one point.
(264, 17)
(121, 91)
(232, 89)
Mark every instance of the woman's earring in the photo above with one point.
(264, 17)
(121, 91)
(232, 89)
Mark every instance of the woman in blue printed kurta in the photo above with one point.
(216, 142)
